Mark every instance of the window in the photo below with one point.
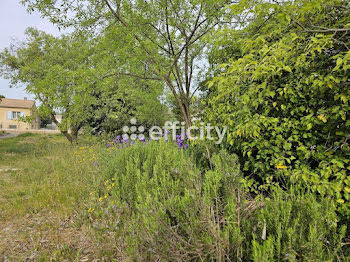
(12, 126)
(15, 115)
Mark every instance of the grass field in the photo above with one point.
(44, 194)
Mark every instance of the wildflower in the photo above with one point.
(100, 199)
(91, 193)
(106, 196)
(108, 145)
(91, 210)
(340, 201)
(95, 164)
(281, 166)
(322, 118)
(185, 146)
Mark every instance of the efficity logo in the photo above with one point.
(133, 136)
(175, 130)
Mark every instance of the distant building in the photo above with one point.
(12, 112)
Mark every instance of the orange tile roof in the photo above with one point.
(16, 103)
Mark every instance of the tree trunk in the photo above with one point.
(184, 109)
(64, 132)
(75, 133)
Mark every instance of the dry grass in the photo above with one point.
(43, 199)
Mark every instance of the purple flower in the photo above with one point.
(185, 146)
(109, 145)
(95, 163)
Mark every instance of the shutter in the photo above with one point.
(9, 115)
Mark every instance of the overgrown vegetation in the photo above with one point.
(275, 73)
(284, 95)
(163, 207)
(44, 189)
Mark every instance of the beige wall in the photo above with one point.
(5, 123)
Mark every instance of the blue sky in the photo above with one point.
(13, 21)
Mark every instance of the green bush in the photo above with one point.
(285, 97)
(298, 228)
(164, 208)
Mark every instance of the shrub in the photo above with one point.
(163, 207)
(299, 227)
(285, 99)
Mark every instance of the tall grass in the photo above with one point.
(42, 172)
(158, 203)
(44, 189)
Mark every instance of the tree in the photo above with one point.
(56, 71)
(285, 95)
(120, 94)
(118, 101)
(168, 34)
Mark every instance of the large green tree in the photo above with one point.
(169, 35)
(56, 71)
(72, 75)
(283, 91)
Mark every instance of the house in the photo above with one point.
(12, 112)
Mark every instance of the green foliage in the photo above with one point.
(69, 75)
(56, 71)
(169, 38)
(298, 228)
(157, 202)
(284, 96)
